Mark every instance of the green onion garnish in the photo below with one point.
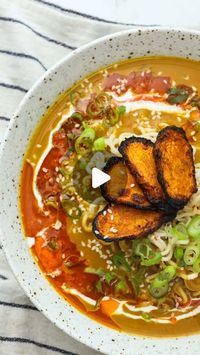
(178, 253)
(194, 227)
(120, 261)
(99, 144)
(168, 273)
(121, 287)
(158, 288)
(83, 144)
(196, 266)
(191, 254)
(179, 231)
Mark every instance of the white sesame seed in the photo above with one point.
(44, 170)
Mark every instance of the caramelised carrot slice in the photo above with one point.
(122, 187)
(138, 154)
(119, 222)
(175, 165)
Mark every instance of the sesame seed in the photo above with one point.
(38, 145)
(113, 230)
(44, 170)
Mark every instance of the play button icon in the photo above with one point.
(99, 178)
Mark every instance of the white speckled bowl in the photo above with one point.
(131, 43)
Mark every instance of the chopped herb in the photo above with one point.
(121, 287)
(179, 94)
(98, 286)
(137, 280)
(120, 261)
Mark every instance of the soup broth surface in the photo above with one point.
(106, 281)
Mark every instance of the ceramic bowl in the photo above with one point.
(127, 44)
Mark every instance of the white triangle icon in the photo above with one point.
(99, 178)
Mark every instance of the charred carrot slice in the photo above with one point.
(174, 160)
(119, 222)
(122, 187)
(138, 154)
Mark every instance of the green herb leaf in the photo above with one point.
(98, 286)
(177, 95)
(120, 261)
(121, 287)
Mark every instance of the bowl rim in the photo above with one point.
(4, 143)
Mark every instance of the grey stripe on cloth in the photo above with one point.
(34, 35)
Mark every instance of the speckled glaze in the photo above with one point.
(127, 44)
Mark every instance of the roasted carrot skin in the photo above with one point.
(120, 222)
(123, 187)
(175, 165)
(138, 154)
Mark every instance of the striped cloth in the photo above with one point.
(34, 35)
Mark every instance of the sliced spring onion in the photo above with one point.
(158, 288)
(51, 203)
(120, 261)
(93, 109)
(99, 144)
(180, 231)
(83, 144)
(112, 117)
(103, 99)
(82, 164)
(194, 227)
(191, 254)
(153, 259)
(77, 115)
(88, 133)
(196, 265)
(121, 109)
(74, 97)
(143, 248)
(178, 253)
(168, 273)
(121, 287)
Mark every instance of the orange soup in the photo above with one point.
(127, 254)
